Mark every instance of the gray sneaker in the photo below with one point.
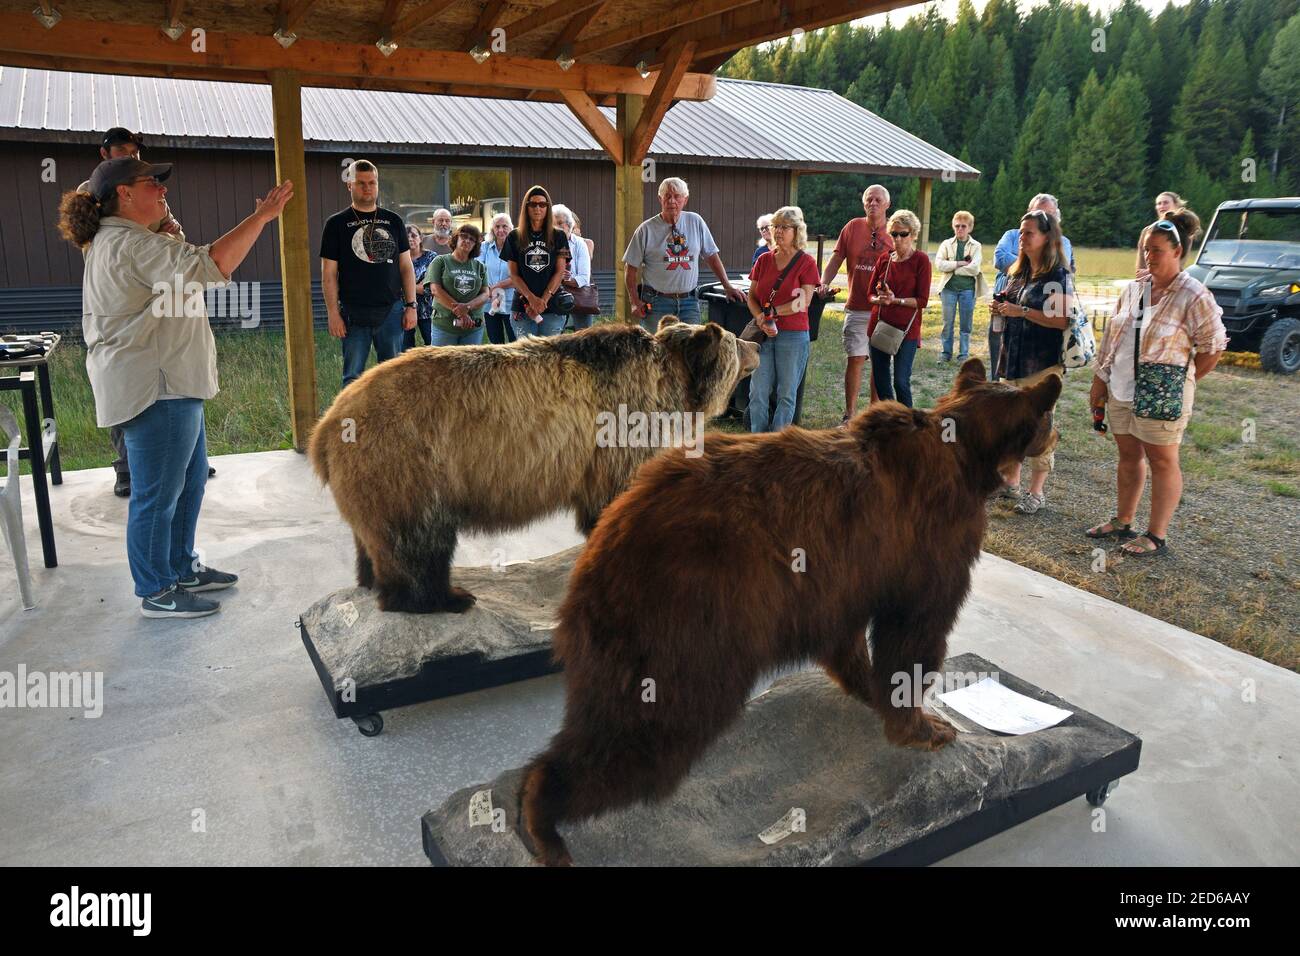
(177, 602)
(1030, 503)
(207, 579)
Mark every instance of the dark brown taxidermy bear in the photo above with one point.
(691, 579)
(491, 437)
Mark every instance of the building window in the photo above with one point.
(472, 194)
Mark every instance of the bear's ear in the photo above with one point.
(972, 373)
(666, 321)
(1043, 396)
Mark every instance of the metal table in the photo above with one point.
(42, 448)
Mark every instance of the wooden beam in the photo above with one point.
(577, 23)
(794, 188)
(295, 256)
(418, 18)
(639, 30)
(141, 50)
(590, 116)
(660, 98)
(173, 14)
(629, 201)
(387, 19)
(486, 21)
(924, 212)
(773, 19)
(710, 64)
(290, 13)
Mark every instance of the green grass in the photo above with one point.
(1283, 490)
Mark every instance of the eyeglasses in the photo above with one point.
(538, 205)
(151, 180)
(782, 228)
(900, 235)
(764, 228)
(1168, 226)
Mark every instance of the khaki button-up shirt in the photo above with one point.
(139, 345)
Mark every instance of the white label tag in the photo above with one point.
(348, 611)
(792, 822)
(480, 809)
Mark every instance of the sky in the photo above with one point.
(949, 9)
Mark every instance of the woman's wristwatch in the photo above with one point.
(409, 305)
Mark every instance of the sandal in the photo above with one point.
(1141, 552)
(844, 422)
(1120, 532)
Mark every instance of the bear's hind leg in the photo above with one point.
(583, 776)
(365, 569)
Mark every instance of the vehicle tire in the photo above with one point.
(1279, 350)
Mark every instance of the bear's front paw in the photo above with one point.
(923, 731)
(458, 601)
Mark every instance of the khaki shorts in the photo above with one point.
(855, 332)
(1150, 430)
(1044, 462)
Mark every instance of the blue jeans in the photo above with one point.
(552, 324)
(952, 300)
(423, 326)
(168, 450)
(387, 339)
(686, 308)
(782, 360)
(900, 384)
(498, 328)
(462, 337)
(581, 322)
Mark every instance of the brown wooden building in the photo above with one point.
(741, 153)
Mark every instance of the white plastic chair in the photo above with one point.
(11, 507)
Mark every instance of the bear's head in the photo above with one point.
(712, 359)
(999, 425)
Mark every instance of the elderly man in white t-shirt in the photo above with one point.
(663, 260)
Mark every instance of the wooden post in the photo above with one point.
(924, 213)
(794, 188)
(629, 204)
(295, 256)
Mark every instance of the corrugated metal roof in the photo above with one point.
(760, 124)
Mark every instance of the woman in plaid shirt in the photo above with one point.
(1182, 325)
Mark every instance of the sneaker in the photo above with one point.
(212, 472)
(175, 602)
(207, 579)
(946, 359)
(1030, 504)
(122, 486)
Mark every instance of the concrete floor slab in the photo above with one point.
(223, 719)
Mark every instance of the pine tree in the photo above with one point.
(1007, 202)
(1213, 106)
(1280, 83)
(1105, 182)
(997, 133)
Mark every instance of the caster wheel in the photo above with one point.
(1097, 797)
(371, 725)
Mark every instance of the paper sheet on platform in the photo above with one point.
(999, 708)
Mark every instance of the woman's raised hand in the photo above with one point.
(270, 206)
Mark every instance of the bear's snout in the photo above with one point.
(748, 354)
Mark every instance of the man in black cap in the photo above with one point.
(118, 142)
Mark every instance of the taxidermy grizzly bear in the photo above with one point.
(768, 550)
(491, 437)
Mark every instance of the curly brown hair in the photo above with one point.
(79, 215)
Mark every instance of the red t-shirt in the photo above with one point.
(855, 247)
(764, 275)
(907, 279)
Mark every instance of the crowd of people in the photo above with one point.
(533, 277)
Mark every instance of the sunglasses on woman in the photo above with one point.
(541, 204)
(900, 235)
(1044, 221)
(1168, 226)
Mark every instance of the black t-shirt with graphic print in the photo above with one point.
(367, 246)
(537, 262)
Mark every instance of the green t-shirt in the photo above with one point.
(462, 281)
(960, 283)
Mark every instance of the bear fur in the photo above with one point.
(692, 579)
(492, 437)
